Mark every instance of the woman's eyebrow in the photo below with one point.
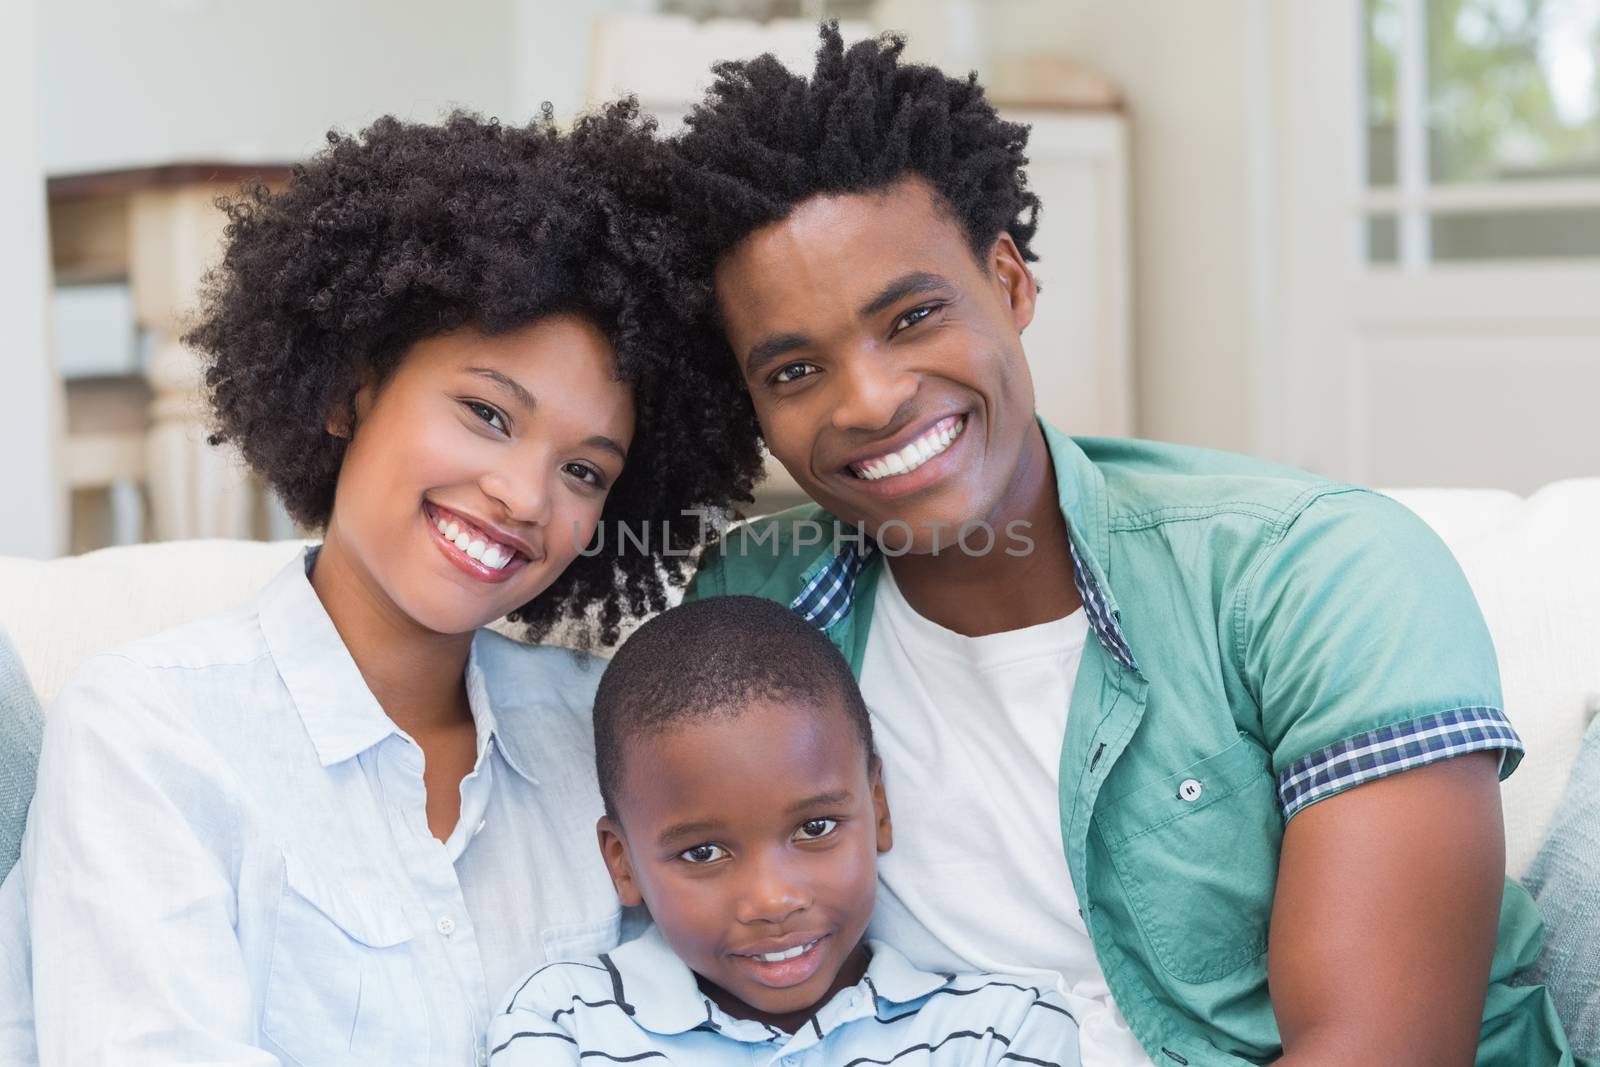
(511, 385)
(602, 441)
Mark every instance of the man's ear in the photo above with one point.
(614, 850)
(880, 805)
(1014, 280)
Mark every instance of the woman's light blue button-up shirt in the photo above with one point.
(228, 858)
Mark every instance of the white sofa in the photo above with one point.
(1534, 563)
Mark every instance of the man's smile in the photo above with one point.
(924, 447)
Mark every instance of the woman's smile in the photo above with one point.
(477, 548)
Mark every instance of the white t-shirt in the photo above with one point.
(970, 732)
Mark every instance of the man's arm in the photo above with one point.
(1384, 920)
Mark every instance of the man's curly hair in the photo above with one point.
(409, 231)
(765, 139)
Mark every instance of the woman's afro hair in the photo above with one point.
(409, 231)
(765, 139)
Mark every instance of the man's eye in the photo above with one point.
(487, 413)
(812, 829)
(703, 854)
(914, 316)
(793, 372)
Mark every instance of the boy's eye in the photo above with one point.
(487, 413)
(703, 854)
(793, 372)
(812, 829)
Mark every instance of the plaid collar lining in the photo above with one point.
(830, 588)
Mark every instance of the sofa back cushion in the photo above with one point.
(1531, 563)
(20, 726)
(60, 611)
(1534, 567)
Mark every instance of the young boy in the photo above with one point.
(745, 807)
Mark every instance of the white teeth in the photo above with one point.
(491, 554)
(913, 455)
(787, 954)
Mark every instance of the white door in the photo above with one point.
(1436, 319)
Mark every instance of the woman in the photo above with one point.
(327, 828)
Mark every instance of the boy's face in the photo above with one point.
(753, 837)
(479, 469)
(866, 328)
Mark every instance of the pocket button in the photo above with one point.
(446, 926)
(1190, 790)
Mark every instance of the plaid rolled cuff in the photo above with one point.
(1391, 749)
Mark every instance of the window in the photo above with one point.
(1482, 130)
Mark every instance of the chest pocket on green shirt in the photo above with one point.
(1197, 854)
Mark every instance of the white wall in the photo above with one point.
(131, 82)
(29, 396)
(1185, 70)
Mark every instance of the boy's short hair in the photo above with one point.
(766, 139)
(408, 231)
(713, 658)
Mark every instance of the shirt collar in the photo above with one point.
(828, 586)
(339, 712)
(660, 993)
(894, 980)
(480, 698)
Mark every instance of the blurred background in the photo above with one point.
(1358, 236)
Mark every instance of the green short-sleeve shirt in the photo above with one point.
(1265, 640)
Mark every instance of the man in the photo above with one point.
(1213, 740)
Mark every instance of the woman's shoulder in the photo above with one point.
(549, 677)
(187, 656)
(225, 639)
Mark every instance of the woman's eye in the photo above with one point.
(793, 372)
(487, 413)
(914, 316)
(701, 854)
(585, 473)
(812, 829)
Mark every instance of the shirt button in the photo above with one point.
(446, 926)
(483, 1056)
(1190, 790)
(481, 825)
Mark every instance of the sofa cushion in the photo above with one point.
(1533, 567)
(61, 611)
(20, 727)
(1565, 880)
